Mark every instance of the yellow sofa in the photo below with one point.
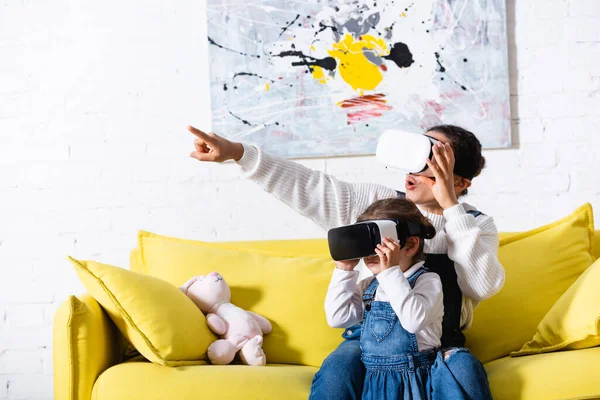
(94, 363)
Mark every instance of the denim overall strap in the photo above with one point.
(442, 265)
(369, 295)
(413, 278)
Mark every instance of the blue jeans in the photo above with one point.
(342, 374)
(457, 369)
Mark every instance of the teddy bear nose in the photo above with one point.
(213, 274)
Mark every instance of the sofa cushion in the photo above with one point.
(540, 266)
(82, 346)
(559, 375)
(574, 321)
(289, 291)
(146, 381)
(158, 319)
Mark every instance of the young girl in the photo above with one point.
(400, 309)
(464, 251)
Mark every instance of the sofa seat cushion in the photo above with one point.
(147, 381)
(570, 374)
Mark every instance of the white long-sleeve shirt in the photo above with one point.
(420, 309)
(472, 243)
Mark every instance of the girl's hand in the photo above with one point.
(214, 148)
(389, 254)
(442, 166)
(346, 265)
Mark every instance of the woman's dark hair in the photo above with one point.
(402, 210)
(467, 150)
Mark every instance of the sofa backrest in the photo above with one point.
(176, 272)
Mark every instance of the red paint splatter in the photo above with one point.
(383, 67)
(365, 107)
(436, 107)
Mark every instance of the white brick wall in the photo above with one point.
(94, 100)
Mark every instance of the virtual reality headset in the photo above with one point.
(360, 240)
(405, 151)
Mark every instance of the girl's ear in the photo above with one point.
(412, 245)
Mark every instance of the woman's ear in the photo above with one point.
(461, 184)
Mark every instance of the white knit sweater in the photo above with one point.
(471, 242)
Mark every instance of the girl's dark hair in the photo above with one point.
(402, 210)
(467, 150)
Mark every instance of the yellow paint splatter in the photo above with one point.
(318, 74)
(267, 87)
(354, 67)
(404, 15)
(313, 48)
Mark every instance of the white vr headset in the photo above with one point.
(360, 240)
(405, 151)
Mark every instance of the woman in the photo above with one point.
(463, 253)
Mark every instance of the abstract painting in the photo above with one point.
(313, 78)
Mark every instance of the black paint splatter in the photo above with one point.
(243, 120)
(225, 86)
(288, 25)
(251, 74)
(437, 59)
(401, 55)
(443, 70)
(323, 27)
(225, 48)
(327, 63)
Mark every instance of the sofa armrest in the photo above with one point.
(85, 344)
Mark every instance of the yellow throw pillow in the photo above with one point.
(81, 349)
(158, 319)
(573, 322)
(288, 291)
(540, 266)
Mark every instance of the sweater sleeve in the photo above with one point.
(324, 199)
(473, 246)
(343, 302)
(416, 307)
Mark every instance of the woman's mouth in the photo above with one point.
(410, 183)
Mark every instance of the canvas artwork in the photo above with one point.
(325, 78)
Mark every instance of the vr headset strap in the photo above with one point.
(407, 229)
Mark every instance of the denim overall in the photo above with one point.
(395, 368)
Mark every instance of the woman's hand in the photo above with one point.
(214, 148)
(442, 166)
(389, 254)
(346, 265)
